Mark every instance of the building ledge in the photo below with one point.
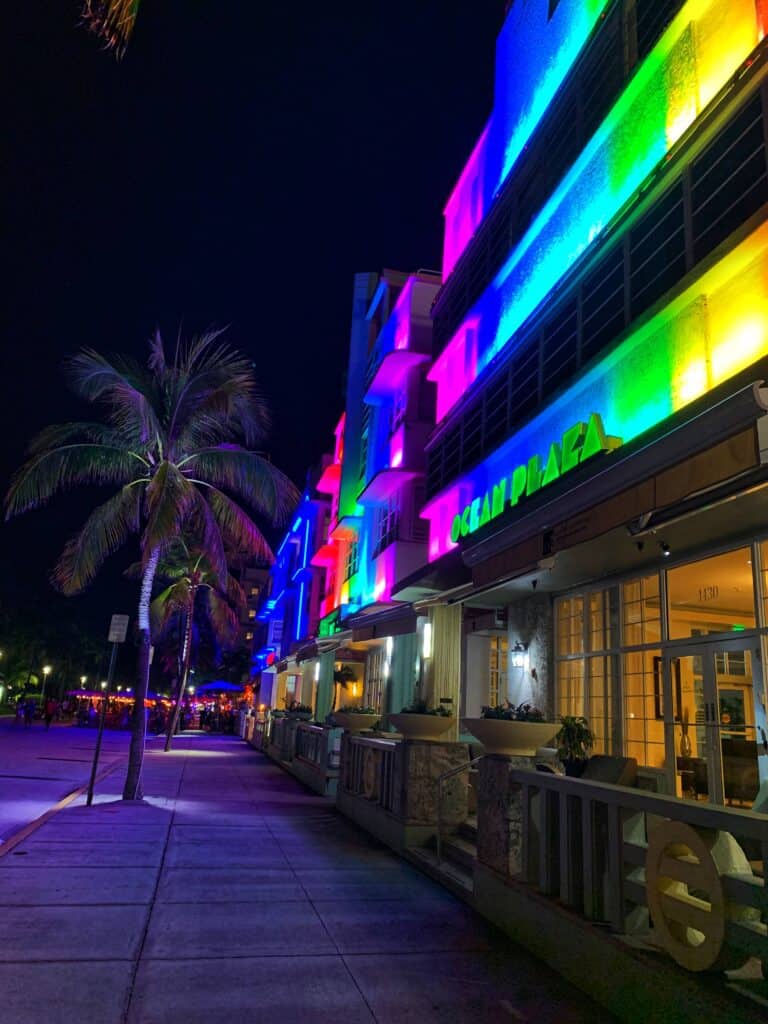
(384, 484)
(391, 373)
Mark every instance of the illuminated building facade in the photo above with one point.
(289, 612)
(370, 534)
(597, 462)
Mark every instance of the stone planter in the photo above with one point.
(299, 716)
(421, 727)
(511, 738)
(353, 722)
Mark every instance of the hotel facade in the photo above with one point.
(549, 486)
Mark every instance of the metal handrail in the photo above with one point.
(440, 780)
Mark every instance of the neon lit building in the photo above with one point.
(370, 534)
(600, 339)
(289, 611)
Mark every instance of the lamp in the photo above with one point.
(519, 654)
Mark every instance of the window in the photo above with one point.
(570, 625)
(586, 667)
(713, 595)
(352, 560)
(251, 613)
(249, 635)
(397, 412)
(497, 670)
(387, 523)
(642, 611)
(643, 730)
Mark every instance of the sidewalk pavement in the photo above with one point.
(231, 892)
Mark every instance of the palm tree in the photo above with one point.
(178, 436)
(195, 591)
(112, 21)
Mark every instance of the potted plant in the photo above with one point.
(303, 712)
(418, 721)
(511, 729)
(574, 742)
(354, 718)
(341, 678)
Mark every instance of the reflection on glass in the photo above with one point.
(713, 595)
(691, 759)
(736, 718)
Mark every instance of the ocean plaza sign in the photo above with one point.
(578, 444)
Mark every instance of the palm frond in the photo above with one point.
(120, 384)
(59, 434)
(52, 471)
(248, 475)
(204, 523)
(157, 362)
(112, 21)
(241, 535)
(166, 606)
(223, 617)
(106, 529)
(170, 498)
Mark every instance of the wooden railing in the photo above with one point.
(369, 769)
(613, 854)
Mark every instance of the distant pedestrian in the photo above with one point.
(50, 710)
(29, 712)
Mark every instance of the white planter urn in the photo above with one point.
(521, 739)
(421, 727)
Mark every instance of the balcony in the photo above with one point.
(384, 484)
(392, 373)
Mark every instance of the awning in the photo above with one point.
(398, 621)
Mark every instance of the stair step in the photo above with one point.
(468, 830)
(452, 876)
(460, 851)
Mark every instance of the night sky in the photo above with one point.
(236, 168)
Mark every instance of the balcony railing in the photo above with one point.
(693, 872)
(369, 770)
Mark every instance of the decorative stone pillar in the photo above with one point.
(499, 814)
(420, 764)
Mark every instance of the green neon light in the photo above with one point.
(578, 444)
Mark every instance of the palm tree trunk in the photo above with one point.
(132, 789)
(184, 674)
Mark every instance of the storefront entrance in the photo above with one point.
(710, 701)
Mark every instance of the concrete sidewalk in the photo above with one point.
(233, 893)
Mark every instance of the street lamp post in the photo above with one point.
(46, 673)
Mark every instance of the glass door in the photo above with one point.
(708, 705)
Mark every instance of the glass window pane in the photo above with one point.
(713, 595)
(569, 612)
(641, 618)
(643, 730)
(570, 687)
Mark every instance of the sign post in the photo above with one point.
(118, 630)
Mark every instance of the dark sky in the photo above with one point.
(236, 168)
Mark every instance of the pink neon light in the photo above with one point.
(441, 512)
(396, 448)
(466, 207)
(455, 369)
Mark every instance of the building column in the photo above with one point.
(444, 680)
